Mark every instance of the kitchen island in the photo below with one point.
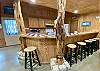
(46, 45)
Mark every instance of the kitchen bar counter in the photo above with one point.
(80, 37)
(47, 45)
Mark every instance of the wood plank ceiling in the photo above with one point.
(84, 6)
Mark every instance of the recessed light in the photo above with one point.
(75, 11)
(97, 17)
(33, 1)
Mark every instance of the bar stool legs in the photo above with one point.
(91, 50)
(84, 50)
(88, 49)
(97, 42)
(37, 58)
(72, 54)
(94, 46)
(75, 51)
(33, 57)
(81, 50)
(30, 60)
(25, 60)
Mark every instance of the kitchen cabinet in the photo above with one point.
(36, 23)
(41, 23)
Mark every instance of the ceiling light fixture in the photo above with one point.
(33, 1)
(75, 11)
(97, 17)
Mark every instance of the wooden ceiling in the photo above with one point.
(84, 6)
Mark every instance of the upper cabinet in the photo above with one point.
(38, 11)
(41, 23)
(33, 23)
(36, 23)
(41, 12)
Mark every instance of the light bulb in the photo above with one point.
(75, 11)
(97, 17)
(33, 1)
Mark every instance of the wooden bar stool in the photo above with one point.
(72, 53)
(93, 44)
(82, 50)
(31, 54)
(97, 43)
(89, 45)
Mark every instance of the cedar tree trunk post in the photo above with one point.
(59, 22)
(19, 20)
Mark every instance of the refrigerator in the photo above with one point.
(66, 28)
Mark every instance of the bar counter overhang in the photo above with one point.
(46, 46)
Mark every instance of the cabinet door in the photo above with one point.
(30, 22)
(41, 23)
(33, 23)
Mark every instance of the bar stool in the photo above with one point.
(97, 43)
(72, 53)
(93, 44)
(31, 54)
(89, 47)
(81, 50)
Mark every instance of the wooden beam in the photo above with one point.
(60, 26)
(18, 16)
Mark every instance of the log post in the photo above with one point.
(18, 16)
(59, 22)
(19, 20)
